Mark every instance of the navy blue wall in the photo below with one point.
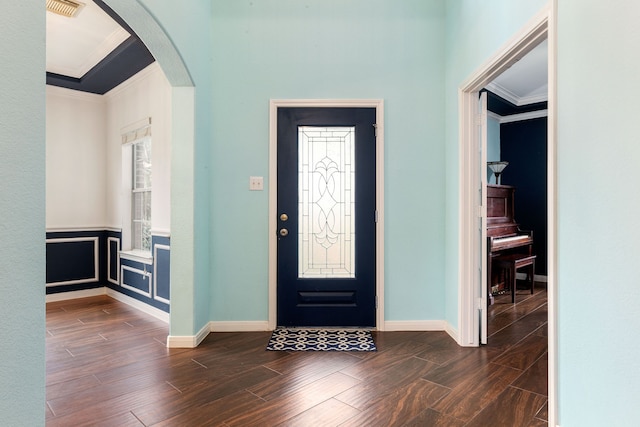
(82, 260)
(524, 145)
(75, 260)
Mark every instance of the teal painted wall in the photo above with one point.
(598, 363)
(22, 215)
(598, 175)
(475, 31)
(190, 30)
(180, 40)
(328, 49)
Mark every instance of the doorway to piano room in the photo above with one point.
(474, 175)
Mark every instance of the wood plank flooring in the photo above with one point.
(108, 365)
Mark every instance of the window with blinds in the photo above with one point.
(136, 186)
(141, 195)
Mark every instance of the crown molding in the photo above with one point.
(516, 100)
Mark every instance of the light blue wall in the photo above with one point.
(190, 29)
(328, 49)
(180, 40)
(598, 210)
(475, 30)
(22, 215)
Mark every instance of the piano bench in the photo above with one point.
(511, 263)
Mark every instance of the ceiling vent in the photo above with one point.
(67, 8)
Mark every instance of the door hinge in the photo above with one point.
(375, 216)
(376, 302)
(375, 129)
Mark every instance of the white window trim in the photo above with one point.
(131, 135)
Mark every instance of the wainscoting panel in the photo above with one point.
(161, 272)
(74, 260)
(80, 260)
(113, 260)
(135, 277)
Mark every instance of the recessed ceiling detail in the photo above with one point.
(75, 46)
(94, 52)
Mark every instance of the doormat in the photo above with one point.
(288, 339)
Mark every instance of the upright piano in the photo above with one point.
(503, 233)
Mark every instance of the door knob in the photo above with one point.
(284, 232)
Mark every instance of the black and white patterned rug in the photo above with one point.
(295, 339)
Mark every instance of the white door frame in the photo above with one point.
(274, 104)
(541, 27)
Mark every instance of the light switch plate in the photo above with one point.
(256, 183)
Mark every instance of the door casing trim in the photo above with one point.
(540, 27)
(274, 104)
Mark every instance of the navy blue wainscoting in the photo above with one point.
(75, 260)
(79, 260)
(161, 249)
(147, 280)
(113, 245)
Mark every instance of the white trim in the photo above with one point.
(422, 325)
(552, 217)
(274, 104)
(145, 308)
(133, 80)
(519, 117)
(78, 229)
(155, 272)
(143, 257)
(75, 95)
(84, 293)
(96, 267)
(144, 273)
(160, 233)
(188, 341)
(468, 286)
(415, 325)
(542, 26)
(515, 99)
(115, 281)
(239, 326)
(138, 124)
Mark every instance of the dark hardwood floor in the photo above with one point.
(108, 365)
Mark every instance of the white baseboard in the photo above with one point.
(415, 325)
(188, 341)
(85, 293)
(422, 325)
(453, 332)
(239, 326)
(145, 308)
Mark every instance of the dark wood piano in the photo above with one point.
(504, 236)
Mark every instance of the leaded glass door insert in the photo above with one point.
(326, 209)
(326, 186)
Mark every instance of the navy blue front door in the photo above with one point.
(326, 217)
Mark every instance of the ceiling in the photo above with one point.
(523, 87)
(96, 51)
